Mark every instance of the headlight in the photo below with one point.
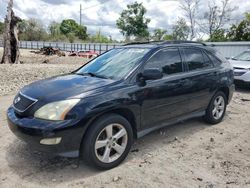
(56, 110)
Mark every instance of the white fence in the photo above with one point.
(228, 49)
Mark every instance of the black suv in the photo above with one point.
(123, 94)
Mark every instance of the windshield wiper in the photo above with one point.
(91, 74)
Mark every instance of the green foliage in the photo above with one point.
(1, 28)
(32, 30)
(168, 37)
(240, 32)
(68, 30)
(218, 36)
(159, 34)
(132, 21)
(71, 37)
(180, 30)
(70, 26)
(58, 38)
(54, 29)
(98, 37)
(55, 34)
(81, 32)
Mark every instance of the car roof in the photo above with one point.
(159, 44)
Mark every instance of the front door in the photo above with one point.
(165, 98)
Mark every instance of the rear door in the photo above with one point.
(202, 74)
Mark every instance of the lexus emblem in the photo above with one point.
(17, 100)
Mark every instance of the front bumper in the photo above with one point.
(32, 131)
(242, 75)
(239, 82)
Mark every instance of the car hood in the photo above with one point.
(64, 86)
(240, 64)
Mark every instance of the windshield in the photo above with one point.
(115, 64)
(244, 56)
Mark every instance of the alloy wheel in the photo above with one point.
(219, 107)
(111, 143)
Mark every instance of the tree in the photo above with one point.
(240, 32)
(32, 30)
(218, 36)
(1, 28)
(181, 30)
(132, 21)
(55, 32)
(70, 26)
(54, 29)
(11, 52)
(98, 37)
(71, 37)
(159, 34)
(81, 32)
(190, 8)
(168, 37)
(216, 17)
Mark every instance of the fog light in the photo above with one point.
(51, 141)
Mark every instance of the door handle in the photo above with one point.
(215, 73)
(183, 82)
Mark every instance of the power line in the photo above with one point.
(96, 5)
(82, 9)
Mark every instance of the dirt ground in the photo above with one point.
(189, 154)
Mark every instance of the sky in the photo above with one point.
(102, 14)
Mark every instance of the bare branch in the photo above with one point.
(190, 8)
(216, 17)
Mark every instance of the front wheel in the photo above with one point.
(216, 108)
(107, 142)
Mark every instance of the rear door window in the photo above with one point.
(167, 60)
(196, 59)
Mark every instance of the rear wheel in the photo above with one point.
(216, 108)
(107, 142)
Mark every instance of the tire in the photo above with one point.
(216, 110)
(100, 141)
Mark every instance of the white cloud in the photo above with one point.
(102, 14)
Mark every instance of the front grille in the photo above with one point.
(239, 73)
(240, 68)
(22, 102)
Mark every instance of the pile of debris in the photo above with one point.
(48, 50)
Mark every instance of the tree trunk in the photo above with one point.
(11, 52)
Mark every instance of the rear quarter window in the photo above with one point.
(215, 60)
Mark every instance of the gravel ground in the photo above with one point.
(189, 154)
(31, 58)
(13, 77)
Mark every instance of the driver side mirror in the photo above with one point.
(150, 74)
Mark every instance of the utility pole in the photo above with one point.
(80, 14)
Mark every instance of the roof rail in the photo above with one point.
(166, 42)
(144, 42)
(182, 42)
